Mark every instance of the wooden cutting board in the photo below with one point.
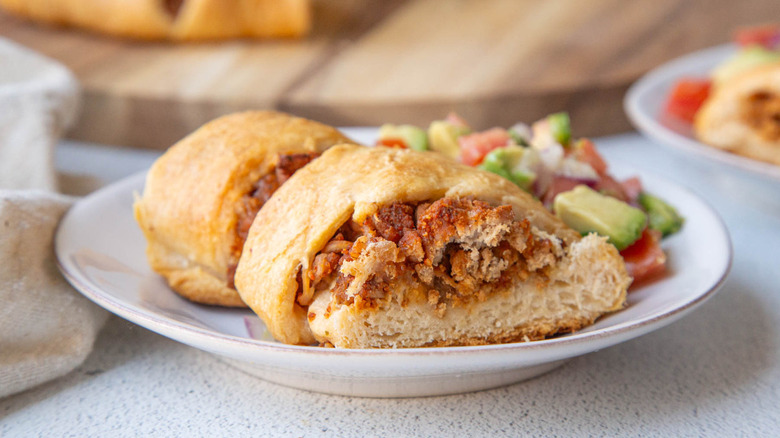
(495, 62)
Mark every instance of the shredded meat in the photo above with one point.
(251, 203)
(326, 262)
(324, 265)
(458, 248)
(761, 111)
(411, 245)
(393, 220)
(471, 222)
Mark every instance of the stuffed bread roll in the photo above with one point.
(743, 115)
(173, 19)
(201, 196)
(386, 248)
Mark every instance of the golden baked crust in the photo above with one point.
(349, 182)
(173, 19)
(188, 209)
(743, 115)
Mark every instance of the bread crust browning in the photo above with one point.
(348, 182)
(724, 121)
(156, 19)
(188, 211)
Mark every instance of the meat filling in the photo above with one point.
(456, 249)
(252, 202)
(761, 111)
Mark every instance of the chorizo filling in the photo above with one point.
(252, 202)
(761, 111)
(456, 250)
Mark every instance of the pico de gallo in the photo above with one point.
(567, 175)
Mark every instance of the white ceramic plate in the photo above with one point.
(101, 252)
(645, 101)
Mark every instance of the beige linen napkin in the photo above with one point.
(46, 327)
(38, 100)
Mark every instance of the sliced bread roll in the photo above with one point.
(743, 115)
(173, 19)
(387, 248)
(201, 196)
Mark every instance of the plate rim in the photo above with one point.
(649, 125)
(144, 317)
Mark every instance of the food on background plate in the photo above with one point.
(568, 175)
(172, 19)
(201, 196)
(737, 108)
(400, 248)
(743, 115)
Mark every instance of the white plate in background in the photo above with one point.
(645, 100)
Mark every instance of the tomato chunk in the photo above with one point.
(687, 97)
(454, 119)
(586, 152)
(474, 147)
(611, 187)
(632, 187)
(392, 143)
(645, 258)
(767, 36)
(559, 185)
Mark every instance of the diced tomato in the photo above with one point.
(454, 119)
(559, 185)
(586, 151)
(767, 36)
(611, 187)
(392, 143)
(474, 147)
(645, 258)
(632, 187)
(687, 97)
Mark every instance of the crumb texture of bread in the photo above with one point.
(188, 211)
(589, 282)
(418, 282)
(742, 115)
(177, 20)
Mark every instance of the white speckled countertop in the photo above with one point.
(716, 372)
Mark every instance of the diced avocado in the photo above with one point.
(588, 211)
(443, 137)
(523, 179)
(660, 215)
(745, 59)
(513, 163)
(414, 137)
(560, 127)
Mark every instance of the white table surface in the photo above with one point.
(716, 372)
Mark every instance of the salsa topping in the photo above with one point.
(571, 178)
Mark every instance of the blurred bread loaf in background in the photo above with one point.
(178, 20)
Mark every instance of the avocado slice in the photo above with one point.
(560, 128)
(443, 137)
(586, 210)
(745, 59)
(414, 137)
(661, 216)
(513, 163)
